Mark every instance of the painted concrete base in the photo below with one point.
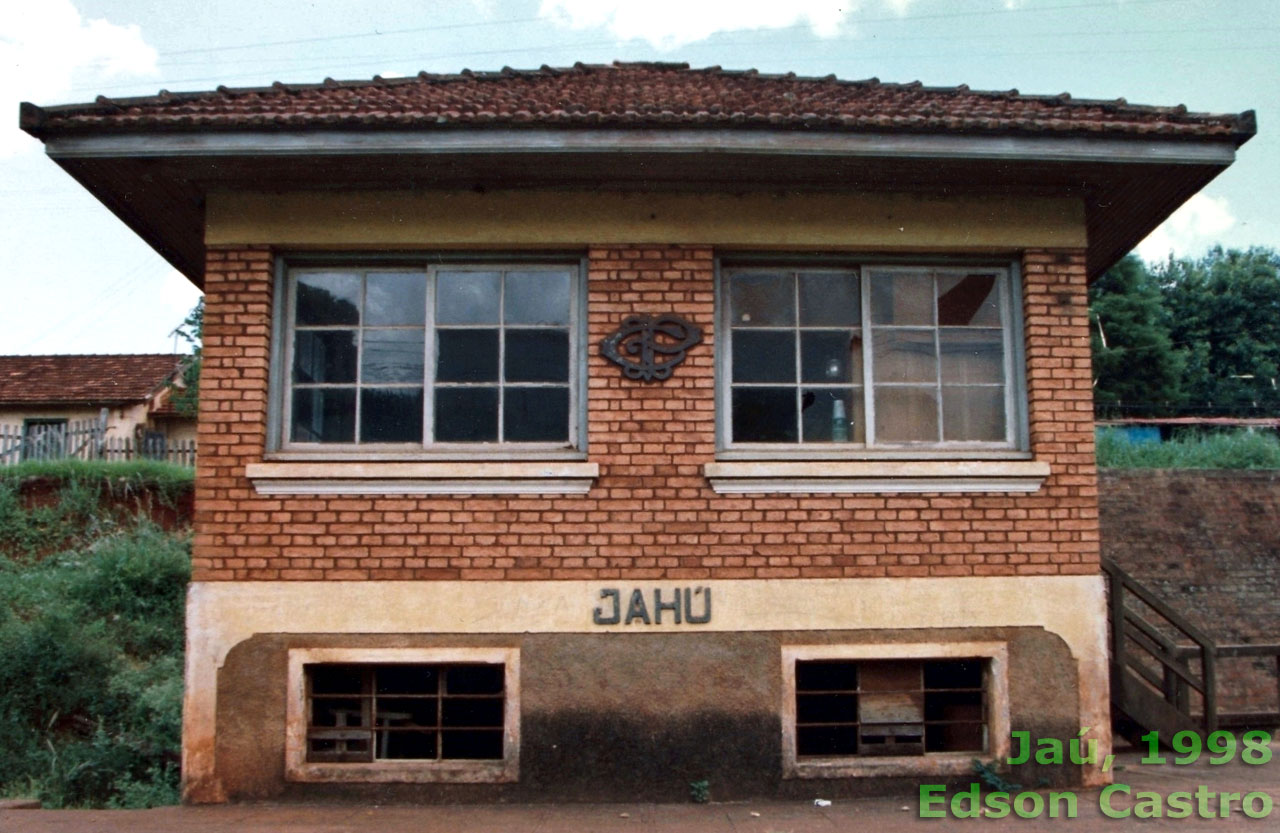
(672, 681)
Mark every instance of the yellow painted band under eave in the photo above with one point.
(548, 218)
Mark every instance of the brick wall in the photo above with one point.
(1207, 542)
(651, 514)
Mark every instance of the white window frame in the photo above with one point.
(996, 685)
(279, 445)
(1016, 442)
(298, 768)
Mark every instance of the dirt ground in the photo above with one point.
(877, 815)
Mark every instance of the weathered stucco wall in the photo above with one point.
(624, 717)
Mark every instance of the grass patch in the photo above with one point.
(91, 639)
(167, 479)
(1191, 450)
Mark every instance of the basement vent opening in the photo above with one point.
(890, 707)
(364, 713)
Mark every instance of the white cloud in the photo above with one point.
(1190, 230)
(46, 47)
(669, 24)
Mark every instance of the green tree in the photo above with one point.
(1225, 309)
(1136, 369)
(186, 396)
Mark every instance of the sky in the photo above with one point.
(74, 279)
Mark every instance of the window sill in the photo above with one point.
(423, 478)
(876, 477)
(937, 763)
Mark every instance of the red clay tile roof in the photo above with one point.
(632, 95)
(68, 379)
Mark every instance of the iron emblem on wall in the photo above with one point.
(648, 347)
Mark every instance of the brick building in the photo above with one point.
(448, 549)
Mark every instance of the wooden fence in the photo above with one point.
(87, 440)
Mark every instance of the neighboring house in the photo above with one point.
(55, 405)
(446, 548)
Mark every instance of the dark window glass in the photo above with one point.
(536, 415)
(471, 745)
(537, 356)
(392, 356)
(407, 679)
(830, 356)
(764, 415)
(324, 415)
(467, 356)
(337, 679)
(973, 414)
(764, 356)
(827, 740)
(466, 415)
(968, 300)
(324, 356)
(537, 298)
(476, 679)
(391, 415)
(902, 298)
(826, 708)
(336, 712)
(822, 675)
(468, 297)
(395, 299)
(399, 712)
(471, 712)
(820, 420)
(829, 300)
(761, 299)
(407, 746)
(328, 298)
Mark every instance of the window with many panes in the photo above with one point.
(889, 707)
(365, 713)
(406, 356)
(875, 357)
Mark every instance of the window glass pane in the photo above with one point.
(335, 712)
(906, 414)
(407, 711)
(472, 712)
(467, 297)
(830, 356)
(324, 415)
(904, 356)
(536, 415)
(392, 356)
(324, 356)
(483, 745)
(395, 298)
(762, 299)
(466, 355)
(764, 415)
(476, 679)
(972, 356)
(826, 708)
(391, 415)
(537, 356)
(764, 356)
(829, 299)
(537, 298)
(326, 298)
(819, 417)
(826, 740)
(822, 675)
(407, 679)
(336, 679)
(968, 299)
(902, 298)
(466, 415)
(973, 414)
(409, 746)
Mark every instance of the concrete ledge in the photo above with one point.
(423, 478)
(878, 477)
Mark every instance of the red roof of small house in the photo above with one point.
(667, 95)
(84, 379)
